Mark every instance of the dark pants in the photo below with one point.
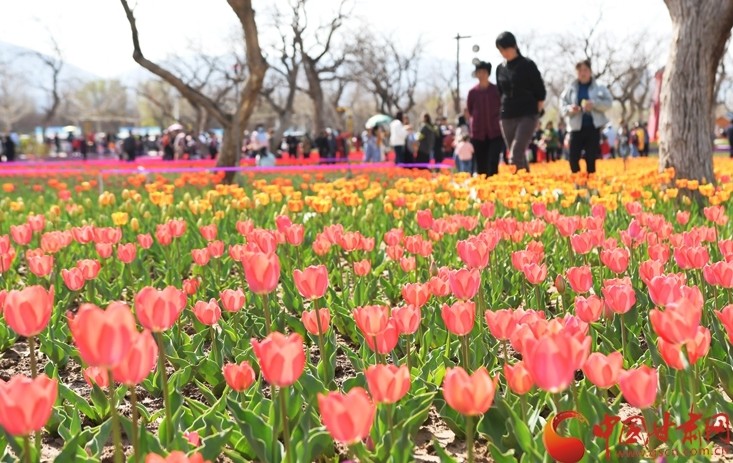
(422, 158)
(588, 140)
(486, 154)
(518, 133)
(438, 155)
(399, 154)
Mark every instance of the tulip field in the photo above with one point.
(378, 315)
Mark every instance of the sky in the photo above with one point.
(94, 34)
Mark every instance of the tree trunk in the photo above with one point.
(315, 92)
(700, 31)
(230, 150)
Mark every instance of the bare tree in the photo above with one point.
(102, 102)
(15, 103)
(322, 60)
(389, 74)
(232, 122)
(55, 64)
(700, 30)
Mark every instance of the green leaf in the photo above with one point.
(101, 434)
(441, 452)
(73, 449)
(99, 399)
(78, 403)
(211, 446)
(506, 457)
(258, 433)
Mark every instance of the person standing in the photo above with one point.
(438, 154)
(583, 104)
(397, 137)
(729, 134)
(551, 142)
(523, 95)
(372, 145)
(129, 145)
(426, 141)
(9, 148)
(483, 110)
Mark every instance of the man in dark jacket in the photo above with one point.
(9, 148)
(129, 145)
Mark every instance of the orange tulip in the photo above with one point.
(387, 383)
(518, 378)
(158, 310)
(407, 318)
(602, 370)
(96, 375)
(239, 377)
(469, 395)
(347, 417)
(459, 318)
(232, 299)
(26, 404)
(191, 285)
(126, 252)
(311, 282)
(281, 358)
(639, 386)
(262, 272)
(28, 311)
(465, 283)
(311, 324)
(103, 337)
(139, 361)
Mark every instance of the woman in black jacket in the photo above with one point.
(522, 98)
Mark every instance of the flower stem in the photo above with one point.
(27, 449)
(164, 386)
(469, 438)
(116, 433)
(321, 345)
(135, 437)
(623, 337)
(266, 308)
(409, 347)
(214, 347)
(32, 350)
(466, 350)
(284, 414)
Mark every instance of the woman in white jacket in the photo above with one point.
(583, 105)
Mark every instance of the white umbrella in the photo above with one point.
(70, 128)
(175, 127)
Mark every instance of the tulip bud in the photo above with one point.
(560, 284)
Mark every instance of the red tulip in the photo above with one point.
(232, 299)
(407, 318)
(695, 349)
(177, 227)
(347, 417)
(416, 294)
(262, 272)
(104, 250)
(89, 268)
(22, 234)
(602, 370)
(311, 324)
(589, 309)
(580, 279)
(103, 337)
(207, 313)
(691, 257)
(28, 311)
(518, 378)
(371, 319)
(175, 457)
(386, 340)
(40, 266)
(215, 249)
(208, 231)
(501, 323)
(408, 264)
(465, 283)
(145, 241)
(639, 386)
(678, 322)
(281, 358)
(617, 259)
(439, 287)
(200, 256)
(311, 282)
(73, 278)
(126, 252)
(191, 285)
(26, 404)
(469, 395)
(295, 234)
(716, 214)
(683, 217)
(582, 243)
(96, 375)
(139, 361)
(535, 273)
(552, 361)
(459, 318)
(650, 269)
(726, 319)
(659, 252)
(192, 437)
(158, 310)
(239, 377)
(388, 383)
(474, 252)
(619, 297)
(362, 267)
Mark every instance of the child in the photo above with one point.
(464, 154)
(623, 147)
(372, 150)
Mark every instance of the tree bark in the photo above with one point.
(700, 31)
(315, 92)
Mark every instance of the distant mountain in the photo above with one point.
(26, 62)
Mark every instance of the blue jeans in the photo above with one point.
(464, 166)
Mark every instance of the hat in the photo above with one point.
(483, 65)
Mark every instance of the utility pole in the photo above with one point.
(457, 99)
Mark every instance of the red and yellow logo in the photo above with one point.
(563, 449)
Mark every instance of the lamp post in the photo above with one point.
(457, 99)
